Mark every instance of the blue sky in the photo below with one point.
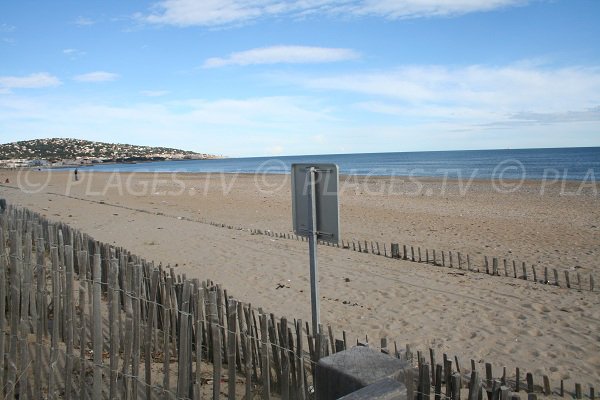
(271, 77)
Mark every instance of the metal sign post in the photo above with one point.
(312, 249)
(315, 210)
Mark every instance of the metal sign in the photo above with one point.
(315, 212)
(326, 182)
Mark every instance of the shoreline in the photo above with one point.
(428, 178)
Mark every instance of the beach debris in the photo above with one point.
(346, 279)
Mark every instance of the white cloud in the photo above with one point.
(283, 54)
(97, 76)
(73, 53)
(32, 81)
(509, 89)
(395, 9)
(221, 12)
(154, 93)
(5, 28)
(84, 21)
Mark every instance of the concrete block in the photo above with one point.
(385, 389)
(348, 371)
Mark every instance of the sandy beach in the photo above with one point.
(509, 322)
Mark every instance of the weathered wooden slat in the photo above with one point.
(248, 366)
(3, 293)
(474, 386)
(136, 304)
(185, 344)
(438, 381)
(300, 389)
(578, 393)
(113, 324)
(547, 390)
(26, 275)
(231, 347)
(487, 265)
(216, 341)
(529, 378)
(266, 382)
(14, 282)
(39, 334)
(149, 330)
(448, 375)
(426, 382)
(456, 385)
(285, 364)
(433, 366)
(69, 321)
(409, 381)
(272, 332)
(97, 321)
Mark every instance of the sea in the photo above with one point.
(574, 163)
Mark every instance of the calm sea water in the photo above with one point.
(559, 163)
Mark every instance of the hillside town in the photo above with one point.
(61, 152)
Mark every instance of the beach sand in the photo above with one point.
(505, 321)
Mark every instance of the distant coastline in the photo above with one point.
(577, 164)
(67, 152)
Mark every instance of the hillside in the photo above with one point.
(69, 149)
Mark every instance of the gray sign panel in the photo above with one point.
(326, 200)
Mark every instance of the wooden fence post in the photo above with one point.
(266, 370)
(69, 321)
(300, 389)
(216, 343)
(231, 347)
(474, 386)
(97, 322)
(40, 297)
(3, 269)
(185, 344)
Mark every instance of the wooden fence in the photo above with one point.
(84, 319)
(87, 320)
(448, 259)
